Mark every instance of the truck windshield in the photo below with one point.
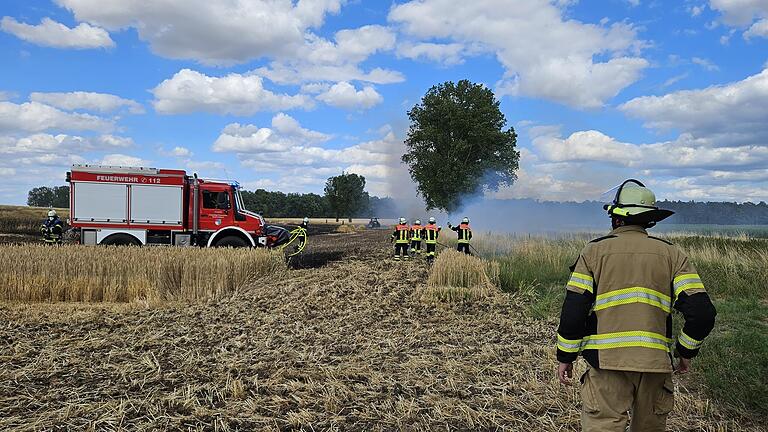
(239, 199)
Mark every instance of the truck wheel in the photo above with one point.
(121, 240)
(231, 241)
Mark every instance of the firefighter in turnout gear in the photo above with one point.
(401, 237)
(417, 233)
(52, 228)
(465, 235)
(617, 315)
(431, 234)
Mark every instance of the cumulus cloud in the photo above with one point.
(322, 60)
(726, 115)
(117, 159)
(37, 117)
(88, 101)
(560, 64)
(211, 32)
(61, 143)
(447, 54)
(285, 134)
(344, 95)
(740, 12)
(758, 29)
(54, 34)
(189, 91)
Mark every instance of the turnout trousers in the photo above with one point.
(431, 247)
(401, 251)
(463, 247)
(609, 397)
(416, 246)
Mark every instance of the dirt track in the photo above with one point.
(344, 342)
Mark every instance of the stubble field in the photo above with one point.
(346, 339)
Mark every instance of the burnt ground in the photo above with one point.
(345, 341)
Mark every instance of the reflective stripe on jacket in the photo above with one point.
(464, 232)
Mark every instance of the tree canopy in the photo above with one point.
(457, 144)
(346, 194)
(44, 196)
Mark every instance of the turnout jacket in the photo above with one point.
(417, 232)
(431, 233)
(618, 306)
(401, 234)
(464, 232)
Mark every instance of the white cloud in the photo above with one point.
(740, 12)
(286, 133)
(706, 64)
(322, 60)
(117, 159)
(758, 29)
(189, 91)
(210, 32)
(54, 34)
(446, 54)
(344, 95)
(88, 101)
(37, 117)
(61, 143)
(559, 64)
(727, 115)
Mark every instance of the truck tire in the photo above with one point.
(231, 241)
(121, 240)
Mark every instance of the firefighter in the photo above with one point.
(617, 314)
(431, 232)
(401, 239)
(303, 237)
(52, 228)
(304, 223)
(417, 232)
(464, 235)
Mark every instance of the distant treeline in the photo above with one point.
(278, 204)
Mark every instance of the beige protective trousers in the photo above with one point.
(608, 396)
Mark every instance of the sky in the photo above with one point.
(282, 94)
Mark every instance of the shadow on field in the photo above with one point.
(311, 260)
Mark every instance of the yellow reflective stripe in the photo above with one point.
(688, 286)
(687, 276)
(627, 339)
(579, 285)
(582, 276)
(689, 342)
(568, 345)
(633, 295)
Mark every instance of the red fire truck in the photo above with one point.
(148, 206)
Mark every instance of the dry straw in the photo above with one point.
(39, 273)
(457, 277)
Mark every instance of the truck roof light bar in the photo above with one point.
(114, 169)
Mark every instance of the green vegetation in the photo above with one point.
(25, 220)
(733, 365)
(44, 196)
(458, 145)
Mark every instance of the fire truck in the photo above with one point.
(112, 205)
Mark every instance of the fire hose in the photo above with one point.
(297, 234)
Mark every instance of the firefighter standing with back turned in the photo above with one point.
(401, 237)
(617, 314)
(431, 233)
(464, 233)
(52, 228)
(416, 234)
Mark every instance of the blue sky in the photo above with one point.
(281, 94)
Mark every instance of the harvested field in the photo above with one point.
(346, 343)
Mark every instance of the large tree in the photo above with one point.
(457, 144)
(44, 196)
(346, 194)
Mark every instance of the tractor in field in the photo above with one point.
(112, 205)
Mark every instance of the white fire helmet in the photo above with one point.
(465, 220)
(402, 220)
(51, 213)
(432, 220)
(418, 221)
(306, 220)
